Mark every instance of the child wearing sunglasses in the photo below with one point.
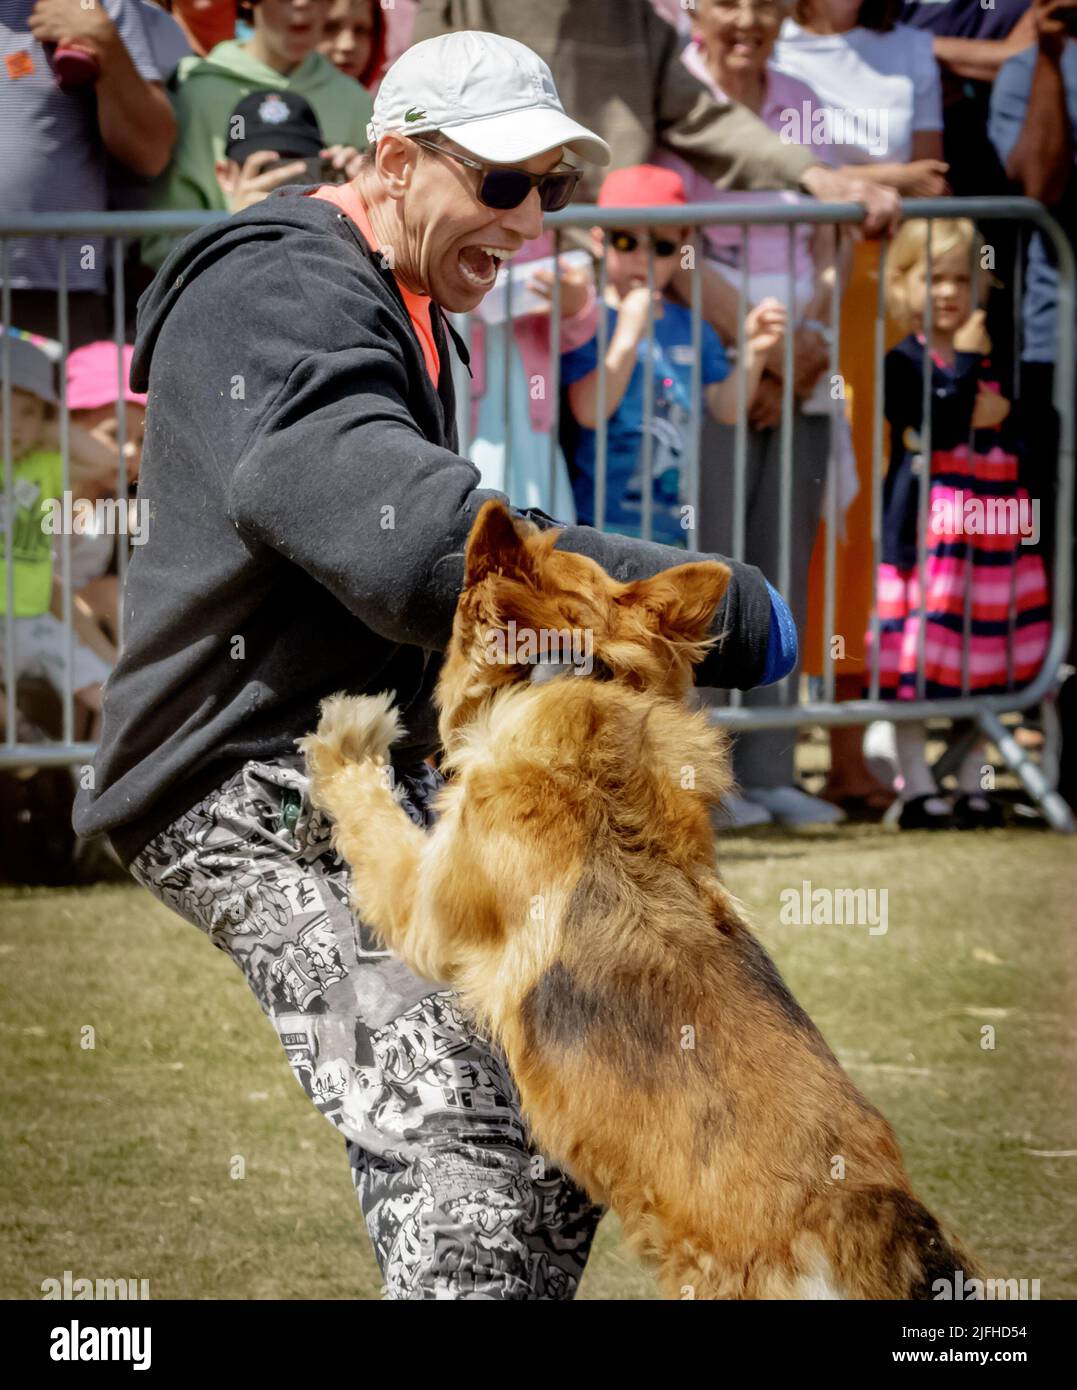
(628, 308)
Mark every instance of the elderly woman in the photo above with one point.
(733, 43)
(310, 519)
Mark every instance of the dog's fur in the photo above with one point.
(569, 893)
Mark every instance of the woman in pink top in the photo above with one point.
(733, 40)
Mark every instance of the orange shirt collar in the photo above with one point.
(346, 197)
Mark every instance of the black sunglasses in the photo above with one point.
(625, 241)
(504, 188)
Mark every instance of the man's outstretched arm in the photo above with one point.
(343, 484)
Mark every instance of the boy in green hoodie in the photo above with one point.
(281, 55)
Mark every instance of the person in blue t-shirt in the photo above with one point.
(627, 304)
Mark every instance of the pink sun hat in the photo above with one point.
(92, 377)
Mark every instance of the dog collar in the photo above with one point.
(543, 671)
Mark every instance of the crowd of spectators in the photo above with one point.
(203, 105)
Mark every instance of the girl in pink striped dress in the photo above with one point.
(982, 578)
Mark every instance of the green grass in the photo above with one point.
(117, 1159)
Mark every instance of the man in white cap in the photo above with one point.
(310, 518)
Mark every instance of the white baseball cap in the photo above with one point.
(493, 96)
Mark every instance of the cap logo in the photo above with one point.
(414, 115)
(273, 110)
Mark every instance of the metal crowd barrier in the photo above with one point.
(985, 710)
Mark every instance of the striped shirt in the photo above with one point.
(54, 159)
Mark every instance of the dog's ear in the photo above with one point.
(496, 545)
(682, 601)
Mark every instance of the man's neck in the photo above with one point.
(385, 223)
(748, 88)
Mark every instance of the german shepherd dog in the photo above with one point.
(569, 893)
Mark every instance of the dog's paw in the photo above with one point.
(352, 729)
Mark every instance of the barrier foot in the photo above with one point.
(1031, 775)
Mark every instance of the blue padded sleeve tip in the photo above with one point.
(782, 648)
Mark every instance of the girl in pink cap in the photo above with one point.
(93, 397)
(93, 391)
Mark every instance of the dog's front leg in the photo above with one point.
(351, 779)
(384, 849)
(394, 874)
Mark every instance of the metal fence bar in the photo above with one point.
(695, 432)
(738, 540)
(507, 343)
(119, 319)
(970, 552)
(1018, 306)
(462, 385)
(927, 369)
(877, 472)
(10, 723)
(1065, 388)
(555, 372)
(785, 478)
(65, 489)
(647, 460)
(837, 404)
(1018, 321)
(740, 441)
(602, 435)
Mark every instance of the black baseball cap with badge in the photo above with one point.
(272, 120)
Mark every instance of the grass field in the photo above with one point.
(117, 1159)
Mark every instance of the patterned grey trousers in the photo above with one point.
(457, 1203)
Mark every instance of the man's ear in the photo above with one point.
(395, 160)
(495, 545)
(681, 602)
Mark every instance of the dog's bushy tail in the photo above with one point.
(883, 1243)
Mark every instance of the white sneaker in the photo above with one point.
(880, 751)
(742, 814)
(791, 806)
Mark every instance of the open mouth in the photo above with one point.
(479, 264)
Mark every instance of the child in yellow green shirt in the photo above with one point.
(40, 639)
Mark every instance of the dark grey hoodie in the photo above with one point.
(308, 516)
